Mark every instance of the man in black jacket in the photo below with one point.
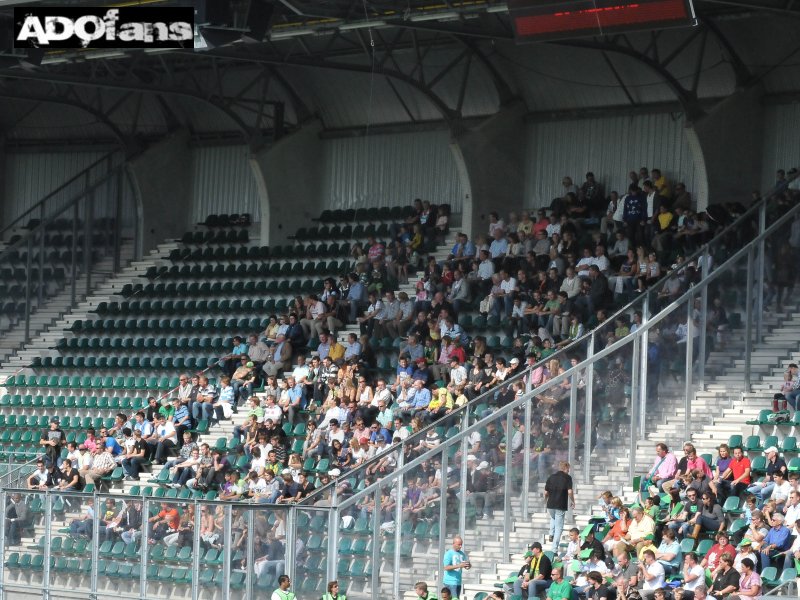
(558, 492)
(17, 519)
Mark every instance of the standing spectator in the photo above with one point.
(634, 214)
(52, 439)
(454, 561)
(559, 496)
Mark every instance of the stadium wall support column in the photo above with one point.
(289, 178)
(162, 178)
(729, 140)
(493, 155)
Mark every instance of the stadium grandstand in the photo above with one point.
(376, 299)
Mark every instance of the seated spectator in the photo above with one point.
(711, 561)
(83, 526)
(692, 576)
(775, 542)
(651, 574)
(639, 533)
(669, 553)
(726, 578)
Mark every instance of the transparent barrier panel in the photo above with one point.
(311, 548)
(25, 541)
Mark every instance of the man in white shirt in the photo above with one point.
(780, 493)
(508, 285)
(381, 394)
(571, 283)
(693, 574)
(582, 266)
(792, 509)
(458, 375)
(391, 310)
(166, 437)
(257, 351)
(601, 260)
(485, 267)
(301, 371)
(376, 311)
(651, 573)
(353, 347)
(314, 308)
(272, 410)
(184, 388)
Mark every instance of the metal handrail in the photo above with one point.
(638, 302)
(42, 225)
(40, 204)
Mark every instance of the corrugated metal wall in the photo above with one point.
(391, 170)
(610, 148)
(223, 182)
(31, 176)
(781, 145)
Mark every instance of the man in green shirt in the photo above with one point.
(283, 593)
(560, 589)
(421, 588)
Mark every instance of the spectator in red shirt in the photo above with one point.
(736, 477)
(723, 545)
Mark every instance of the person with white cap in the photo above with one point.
(763, 489)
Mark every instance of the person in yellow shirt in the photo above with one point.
(336, 350)
(640, 528)
(441, 402)
(660, 183)
(663, 231)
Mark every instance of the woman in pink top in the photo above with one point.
(749, 581)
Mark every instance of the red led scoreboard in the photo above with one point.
(542, 20)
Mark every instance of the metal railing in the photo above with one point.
(61, 195)
(88, 239)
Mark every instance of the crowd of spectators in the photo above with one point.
(700, 528)
(316, 409)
